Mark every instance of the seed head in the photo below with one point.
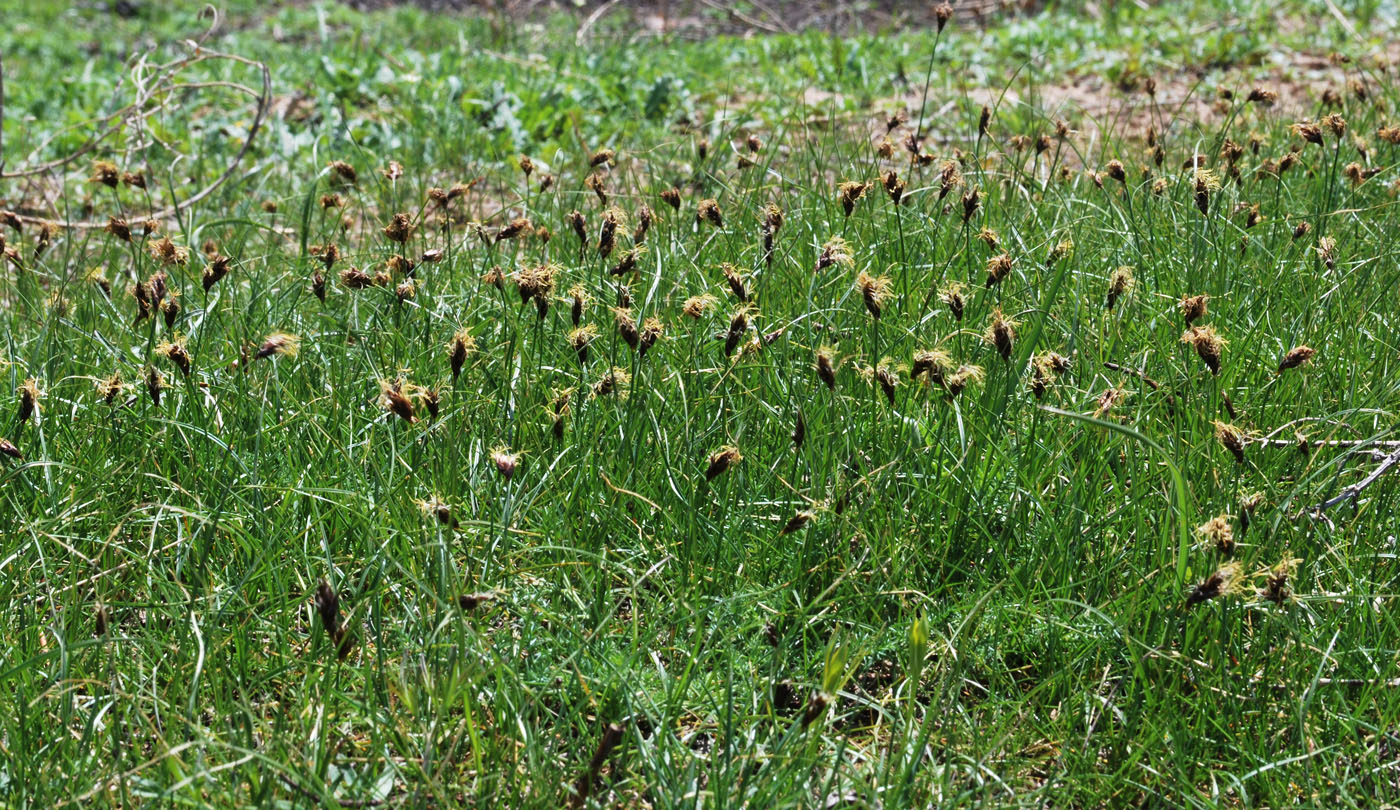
(1061, 249)
(1295, 357)
(110, 388)
(652, 329)
(155, 383)
(399, 229)
(874, 291)
(998, 268)
(1208, 345)
(935, 363)
(850, 193)
(1275, 587)
(8, 448)
(106, 173)
(942, 14)
(835, 252)
(708, 211)
(395, 401)
(505, 461)
(167, 252)
(887, 377)
(581, 337)
(1120, 283)
(29, 395)
(176, 353)
(119, 228)
(603, 157)
(697, 306)
(672, 197)
(462, 346)
(614, 381)
(952, 294)
(796, 522)
(721, 460)
(278, 344)
(345, 173)
(1194, 307)
(1223, 581)
(971, 201)
(596, 184)
(1327, 251)
(965, 376)
(1001, 333)
(894, 186)
(1232, 439)
(613, 219)
(1218, 534)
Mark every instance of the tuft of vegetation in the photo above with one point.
(421, 410)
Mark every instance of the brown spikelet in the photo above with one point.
(171, 309)
(796, 522)
(708, 211)
(1295, 357)
(505, 461)
(1220, 582)
(399, 229)
(1001, 334)
(7, 448)
(850, 192)
(1232, 439)
(177, 354)
(817, 703)
(353, 278)
(328, 608)
(942, 14)
(874, 291)
(155, 382)
(580, 228)
(652, 330)
(110, 388)
(998, 268)
(580, 337)
(672, 197)
(215, 271)
(396, 402)
(971, 201)
(1218, 534)
(514, 229)
(1194, 307)
(952, 297)
(607, 235)
(459, 349)
(799, 432)
(1208, 345)
(888, 379)
(106, 173)
(472, 601)
(697, 306)
(119, 228)
(1275, 587)
(278, 344)
(826, 367)
(961, 379)
(721, 460)
(29, 395)
(1119, 285)
(735, 282)
(596, 184)
(627, 327)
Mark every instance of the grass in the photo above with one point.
(949, 595)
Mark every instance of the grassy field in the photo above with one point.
(418, 410)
